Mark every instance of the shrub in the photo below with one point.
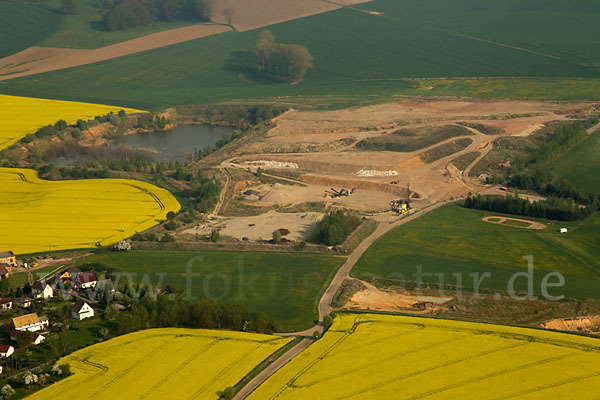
(214, 236)
(167, 238)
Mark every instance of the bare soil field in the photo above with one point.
(36, 59)
(504, 221)
(262, 226)
(252, 14)
(374, 299)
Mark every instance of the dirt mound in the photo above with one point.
(585, 324)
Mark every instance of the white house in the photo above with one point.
(41, 290)
(563, 230)
(82, 310)
(86, 279)
(6, 351)
(30, 322)
(35, 339)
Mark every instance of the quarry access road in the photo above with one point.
(325, 307)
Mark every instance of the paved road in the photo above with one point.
(271, 369)
(325, 307)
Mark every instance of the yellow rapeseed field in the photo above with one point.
(23, 115)
(170, 363)
(51, 215)
(392, 357)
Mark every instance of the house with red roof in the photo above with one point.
(6, 351)
(86, 279)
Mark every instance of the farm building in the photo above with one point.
(85, 280)
(23, 302)
(563, 230)
(9, 258)
(30, 322)
(69, 275)
(35, 339)
(42, 290)
(6, 351)
(82, 310)
(5, 304)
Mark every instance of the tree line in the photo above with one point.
(334, 228)
(126, 14)
(553, 208)
(206, 314)
(287, 61)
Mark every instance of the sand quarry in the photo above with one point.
(245, 15)
(389, 172)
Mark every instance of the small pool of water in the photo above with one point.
(178, 144)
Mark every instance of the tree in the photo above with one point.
(228, 14)
(7, 392)
(24, 338)
(68, 7)
(227, 394)
(167, 238)
(214, 236)
(276, 236)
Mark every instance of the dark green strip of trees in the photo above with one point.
(553, 208)
(126, 14)
(206, 314)
(287, 61)
(334, 228)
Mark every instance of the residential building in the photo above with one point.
(23, 302)
(104, 289)
(85, 280)
(5, 304)
(6, 351)
(30, 322)
(42, 290)
(82, 310)
(70, 274)
(36, 338)
(8, 257)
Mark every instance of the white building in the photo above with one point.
(41, 290)
(82, 310)
(85, 280)
(563, 230)
(6, 351)
(30, 322)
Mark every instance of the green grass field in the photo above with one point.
(220, 68)
(287, 285)
(84, 30)
(453, 240)
(581, 165)
(23, 25)
(407, 140)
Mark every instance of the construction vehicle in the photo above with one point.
(400, 206)
(341, 193)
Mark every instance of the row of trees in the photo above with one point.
(206, 314)
(563, 138)
(288, 61)
(334, 228)
(126, 14)
(553, 208)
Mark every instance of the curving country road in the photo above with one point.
(325, 307)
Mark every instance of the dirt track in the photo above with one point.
(502, 220)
